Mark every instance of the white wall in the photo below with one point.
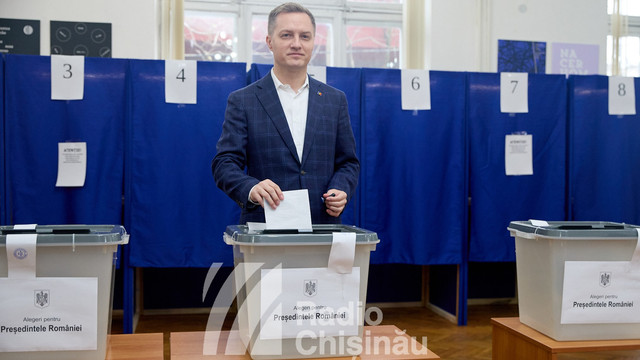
(135, 24)
(460, 35)
(464, 34)
(453, 35)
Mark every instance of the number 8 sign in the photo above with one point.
(622, 96)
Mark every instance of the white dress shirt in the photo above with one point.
(295, 105)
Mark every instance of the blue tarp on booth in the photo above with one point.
(35, 124)
(604, 155)
(497, 199)
(414, 168)
(175, 213)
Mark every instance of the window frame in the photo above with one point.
(633, 30)
(338, 13)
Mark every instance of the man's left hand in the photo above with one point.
(335, 201)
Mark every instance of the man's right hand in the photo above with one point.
(266, 189)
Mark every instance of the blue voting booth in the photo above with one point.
(413, 170)
(414, 180)
(497, 199)
(604, 154)
(174, 211)
(35, 124)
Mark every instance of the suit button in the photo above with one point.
(302, 172)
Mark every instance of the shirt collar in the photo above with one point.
(279, 83)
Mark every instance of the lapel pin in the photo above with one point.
(319, 93)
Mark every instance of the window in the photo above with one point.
(628, 42)
(209, 36)
(349, 33)
(373, 46)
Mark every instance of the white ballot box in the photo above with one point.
(56, 290)
(578, 280)
(301, 294)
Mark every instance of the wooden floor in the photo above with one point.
(446, 339)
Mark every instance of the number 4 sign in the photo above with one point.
(180, 81)
(622, 96)
(416, 92)
(67, 77)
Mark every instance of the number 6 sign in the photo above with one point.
(416, 94)
(67, 77)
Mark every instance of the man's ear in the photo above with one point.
(268, 40)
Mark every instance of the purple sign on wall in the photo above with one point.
(572, 59)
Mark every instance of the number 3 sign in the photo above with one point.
(67, 77)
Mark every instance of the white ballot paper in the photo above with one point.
(297, 303)
(72, 164)
(518, 155)
(293, 213)
(601, 292)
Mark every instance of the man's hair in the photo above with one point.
(289, 7)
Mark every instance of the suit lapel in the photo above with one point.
(268, 97)
(313, 116)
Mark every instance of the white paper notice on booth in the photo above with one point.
(518, 154)
(72, 164)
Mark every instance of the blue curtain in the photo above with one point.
(349, 81)
(414, 168)
(175, 213)
(35, 124)
(497, 199)
(604, 155)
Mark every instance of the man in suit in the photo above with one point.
(288, 130)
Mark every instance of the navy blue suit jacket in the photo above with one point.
(256, 144)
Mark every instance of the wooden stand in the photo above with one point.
(189, 345)
(135, 347)
(514, 340)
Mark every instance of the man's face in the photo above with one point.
(292, 41)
